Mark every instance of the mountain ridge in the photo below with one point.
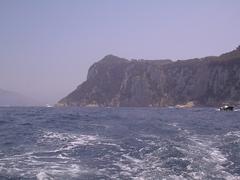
(114, 81)
(10, 98)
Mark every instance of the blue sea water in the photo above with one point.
(119, 143)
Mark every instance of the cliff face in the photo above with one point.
(114, 81)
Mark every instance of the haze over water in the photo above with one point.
(47, 46)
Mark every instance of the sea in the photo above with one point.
(73, 143)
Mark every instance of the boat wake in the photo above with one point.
(124, 148)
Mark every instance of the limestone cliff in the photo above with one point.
(115, 81)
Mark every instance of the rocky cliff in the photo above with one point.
(114, 81)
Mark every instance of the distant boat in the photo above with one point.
(226, 108)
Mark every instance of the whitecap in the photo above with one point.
(68, 141)
(233, 133)
(43, 176)
(134, 160)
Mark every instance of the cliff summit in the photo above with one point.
(114, 81)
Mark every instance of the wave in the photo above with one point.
(178, 146)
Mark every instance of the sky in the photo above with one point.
(47, 46)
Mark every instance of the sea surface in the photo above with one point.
(118, 143)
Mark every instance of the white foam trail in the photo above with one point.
(233, 133)
(204, 157)
(69, 141)
(37, 162)
(174, 177)
(211, 159)
(43, 176)
(134, 160)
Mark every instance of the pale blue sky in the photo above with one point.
(47, 46)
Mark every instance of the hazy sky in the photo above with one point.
(47, 46)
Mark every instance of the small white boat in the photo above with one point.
(226, 108)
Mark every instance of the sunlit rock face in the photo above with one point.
(115, 81)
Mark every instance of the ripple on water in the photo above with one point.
(129, 148)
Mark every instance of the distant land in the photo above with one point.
(118, 82)
(9, 98)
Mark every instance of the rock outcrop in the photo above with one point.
(114, 81)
